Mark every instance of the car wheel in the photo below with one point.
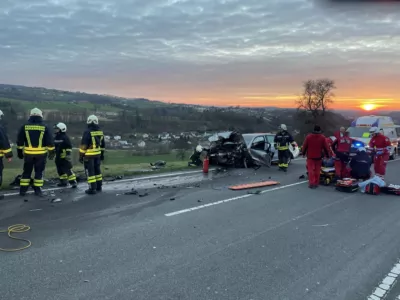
(394, 155)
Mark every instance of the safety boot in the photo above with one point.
(73, 184)
(92, 189)
(99, 186)
(62, 183)
(38, 191)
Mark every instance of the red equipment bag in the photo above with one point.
(347, 185)
(372, 189)
(391, 189)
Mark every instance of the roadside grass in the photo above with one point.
(116, 163)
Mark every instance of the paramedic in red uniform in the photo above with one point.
(343, 147)
(380, 144)
(315, 147)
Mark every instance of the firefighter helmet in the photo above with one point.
(61, 126)
(36, 112)
(92, 119)
(283, 127)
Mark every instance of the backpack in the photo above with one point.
(372, 189)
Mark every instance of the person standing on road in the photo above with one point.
(91, 153)
(34, 143)
(5, 150)
(342, 154)
(380, 144)
(63, 156)
(282, 141)
(314, 148)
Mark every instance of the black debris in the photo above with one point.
(143, 195)
(131, 192)
(254, 192)
(172, 199)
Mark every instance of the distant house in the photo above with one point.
(123, 143)
(145, 136)
(141, 144)
(117, 137)
(107, 137)
(164, 136)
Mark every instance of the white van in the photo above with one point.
(359, 130)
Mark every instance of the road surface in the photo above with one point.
(195, 239)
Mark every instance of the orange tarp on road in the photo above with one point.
(253, 185)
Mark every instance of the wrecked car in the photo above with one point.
(254, 139)
(229, 148)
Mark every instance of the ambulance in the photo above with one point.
(359, 131)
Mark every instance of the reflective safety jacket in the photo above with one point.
(380, 142)
(35, 137)
(5, 148)
(92, 143)
(63, 145)
(283, 139)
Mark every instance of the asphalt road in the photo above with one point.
(193, 238)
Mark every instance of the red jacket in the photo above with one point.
(380, 142)
(314, 146)
(329, 142)
(343, 144)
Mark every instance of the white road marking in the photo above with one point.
(231, 199)
(387, 283)
(123, 180)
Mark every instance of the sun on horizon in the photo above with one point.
(369, 106)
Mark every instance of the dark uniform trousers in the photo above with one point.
(1, 170)
(36, 163)
(93, 172)
(64, 170)
(283, 158)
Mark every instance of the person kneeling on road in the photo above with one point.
(361, 165)
(63, 156)
(314, 147)
(282, 141)
(91, 153)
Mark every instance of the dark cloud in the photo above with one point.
(213, 43)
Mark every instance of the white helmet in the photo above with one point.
(36, 112)
(92, 119)
(199, 148)
(61, 126)
(1, 114)
(283, 127)
(373, 130)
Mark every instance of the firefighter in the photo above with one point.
(342, 147)
(282, 141)
(5, 150)
(381, 147)
(314, 147)
(63, 156)
(91, 153)
(34, 144)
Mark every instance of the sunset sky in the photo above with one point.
(213, 52)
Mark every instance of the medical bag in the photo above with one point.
(372, 189)
(347, 185)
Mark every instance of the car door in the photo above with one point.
(270, 138)
(258, 151)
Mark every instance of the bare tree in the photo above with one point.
(316, 97)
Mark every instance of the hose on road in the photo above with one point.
(17, 228)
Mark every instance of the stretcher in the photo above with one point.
(327, 175)
(253, 185)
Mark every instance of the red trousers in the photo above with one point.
(380, 162)
(314, 170)
(341, 170)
